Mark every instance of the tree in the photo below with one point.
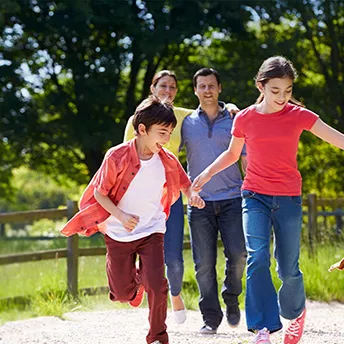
(87, 66)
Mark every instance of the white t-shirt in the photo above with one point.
(143, 199)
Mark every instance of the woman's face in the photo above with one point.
(277, 92)
(165, 89)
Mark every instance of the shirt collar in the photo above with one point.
(135, 157)
(222, 112)
(133, 152)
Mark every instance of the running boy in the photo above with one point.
(129, 199)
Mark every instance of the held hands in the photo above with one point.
(128, 221)
(339, 265)
(196, 201)
(200, 180)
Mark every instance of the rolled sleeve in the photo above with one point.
(106, 176)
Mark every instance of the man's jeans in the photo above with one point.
(284, 213)
(173, 247)
(225, 217)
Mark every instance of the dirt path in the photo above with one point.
(324, 325)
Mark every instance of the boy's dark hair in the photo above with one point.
(206, 72)
(153, 111)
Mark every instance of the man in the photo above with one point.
(206, 133)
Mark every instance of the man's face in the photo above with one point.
(207, 90)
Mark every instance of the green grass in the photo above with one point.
(45, 281)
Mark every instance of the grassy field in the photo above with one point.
(45, 281)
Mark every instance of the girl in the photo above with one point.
(271, 193)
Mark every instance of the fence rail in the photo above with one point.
(73, 251)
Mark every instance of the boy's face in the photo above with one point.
(155, 137)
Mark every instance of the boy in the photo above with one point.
(129, 199)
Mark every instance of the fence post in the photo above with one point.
(72, 254)
(312, 221)
(2, 230)
(339, 221)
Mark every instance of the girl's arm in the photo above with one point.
(328, 134)
(226, 159)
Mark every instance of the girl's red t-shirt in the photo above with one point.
(272, 145)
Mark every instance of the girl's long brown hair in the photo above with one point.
(276, 67)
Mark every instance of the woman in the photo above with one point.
(271, 193)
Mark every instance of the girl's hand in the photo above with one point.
(128, 221)
(200, 180)
(339, 265)
(196, 201)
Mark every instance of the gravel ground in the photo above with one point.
(324, 325)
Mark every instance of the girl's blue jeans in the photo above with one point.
(263, 305)
(173, 247)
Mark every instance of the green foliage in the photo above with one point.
(49, 278)
(73, 72)
(33, 190)
(87, 65)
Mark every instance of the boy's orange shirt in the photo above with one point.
(118, 169)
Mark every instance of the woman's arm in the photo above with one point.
(226, 159)
(129, 132)
(328, 134)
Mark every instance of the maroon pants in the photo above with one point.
(123, 281)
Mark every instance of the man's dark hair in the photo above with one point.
(153, 111)
(205, 72)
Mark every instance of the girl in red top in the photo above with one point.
(271, 193)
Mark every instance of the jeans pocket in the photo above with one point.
(247, 194)
(296, 199)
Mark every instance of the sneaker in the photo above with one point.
(262, 337)
(294, 331)
(179, 316)
(156, 342)
(233, 315)
(138, 299)
(206, 329)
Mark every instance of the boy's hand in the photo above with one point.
(196, 201)
(200, 180)
(339, 265)
(129, 221)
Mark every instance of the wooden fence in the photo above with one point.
(73, 251)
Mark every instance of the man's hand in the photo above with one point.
(128, 221)
(339, 265)
(196, 201)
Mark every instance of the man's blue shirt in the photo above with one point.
(204, 142)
